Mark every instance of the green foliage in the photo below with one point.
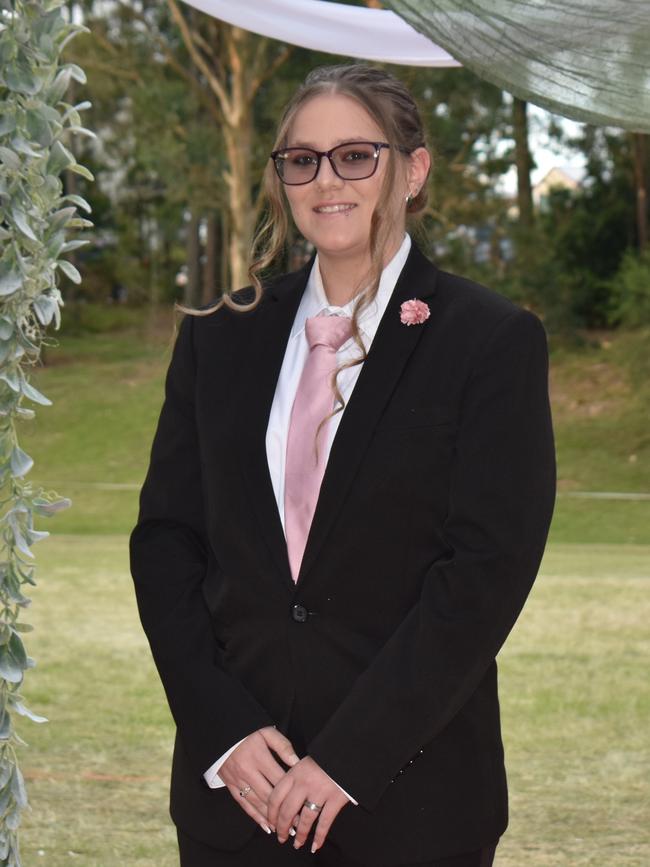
(35, 216)
(467, 124)
(163, 156)
(88, 318)
(565, 265)
(162, 151)
(630, 291)
(588, 233)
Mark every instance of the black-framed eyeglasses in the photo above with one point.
(352, 161)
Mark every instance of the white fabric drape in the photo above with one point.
(353, 31)
(586, 59)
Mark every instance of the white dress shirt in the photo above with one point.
(314, 303)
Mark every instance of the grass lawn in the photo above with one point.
(574, 688)
(574, 685)
(93, 443)
(97, 773)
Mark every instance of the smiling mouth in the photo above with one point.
(333, 209)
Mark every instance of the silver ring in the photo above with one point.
(311, 806)
(245, 791)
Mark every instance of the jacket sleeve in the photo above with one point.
(170, 556)
(500, 505)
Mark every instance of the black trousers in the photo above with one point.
(265, 851)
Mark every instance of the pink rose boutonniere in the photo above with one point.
(414, 312)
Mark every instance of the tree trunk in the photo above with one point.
(238, 137)
(211, 258)
(192, 287)
(154, 261)
(225, 248)
(523, 161)
(496, 257)
(240, 210)
(232, 68)
(640, 181)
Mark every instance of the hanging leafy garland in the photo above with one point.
(35, 219)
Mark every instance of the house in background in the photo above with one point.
(565, 178)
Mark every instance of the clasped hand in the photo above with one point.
(273, 797)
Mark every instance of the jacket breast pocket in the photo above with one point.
(408, 417)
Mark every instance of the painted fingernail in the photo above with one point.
(265, 828)
(314, 848)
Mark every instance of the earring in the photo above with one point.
(409, 198)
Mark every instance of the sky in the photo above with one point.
(547, 153)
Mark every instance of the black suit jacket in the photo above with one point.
(428, 533)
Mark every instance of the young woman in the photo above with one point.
(348, 499)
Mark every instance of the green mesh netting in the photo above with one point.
(585, 59)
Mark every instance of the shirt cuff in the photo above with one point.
(211, 775)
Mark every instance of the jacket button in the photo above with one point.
(299, 613)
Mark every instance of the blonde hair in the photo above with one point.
(393, 109)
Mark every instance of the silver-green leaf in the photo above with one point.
(9, 282)
(20, 462)
(34, 394)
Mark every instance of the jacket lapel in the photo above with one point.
(393, 344)
(275, 318)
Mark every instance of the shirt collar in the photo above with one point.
(314, 300)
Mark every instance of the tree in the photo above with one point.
(523, 162)
(229, 66)
(640, 179)
(160, 161)
(467, 123)
(217, 71)
(582, 237)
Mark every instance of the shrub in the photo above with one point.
(630, 291)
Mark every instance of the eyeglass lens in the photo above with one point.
(350, 161)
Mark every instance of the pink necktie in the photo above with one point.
(314, 401)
